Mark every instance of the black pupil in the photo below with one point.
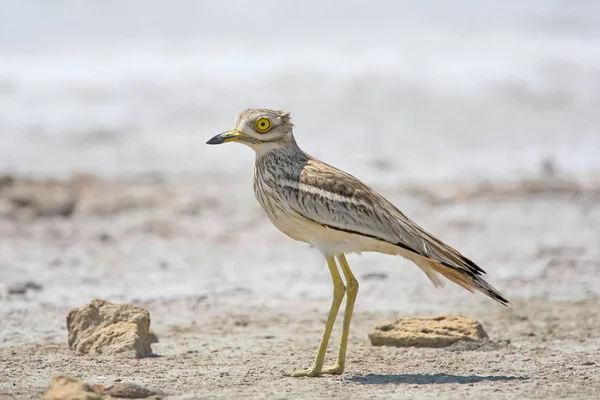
(262, 124)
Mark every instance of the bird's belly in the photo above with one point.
(286, 220)
(327, 240)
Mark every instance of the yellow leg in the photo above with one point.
(352, 290)
(338, 295)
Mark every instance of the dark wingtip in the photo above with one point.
(500, 299)
(490, 290)
(476, 269)
(494, 294)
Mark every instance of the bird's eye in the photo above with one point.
(262, 125)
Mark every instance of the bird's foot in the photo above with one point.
(312, 371)
(337, 369)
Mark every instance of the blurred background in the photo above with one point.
(437, 90)
(110, 191)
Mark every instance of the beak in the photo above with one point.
(229, 136)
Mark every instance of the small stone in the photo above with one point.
(435, 331)
(64, 387)
(23, 287)
(106, 328)
(125, 390)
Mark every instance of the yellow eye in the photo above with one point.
(262, 124)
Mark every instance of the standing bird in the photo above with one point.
(333, 211)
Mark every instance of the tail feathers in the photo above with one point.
(432, 274)
(469, 279)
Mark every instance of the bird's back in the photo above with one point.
(319, 204)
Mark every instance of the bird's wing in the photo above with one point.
(335, 199)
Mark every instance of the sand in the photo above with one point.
(235, 303)
(478, 119)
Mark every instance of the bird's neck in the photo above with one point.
(286, 145)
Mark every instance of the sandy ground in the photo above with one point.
(234, 303)
(232, 347)
(478, 119)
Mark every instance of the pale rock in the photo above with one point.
(64, 387)
(434, 331)
(106, 328)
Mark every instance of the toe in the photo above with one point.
(305, 372)
(335, 370)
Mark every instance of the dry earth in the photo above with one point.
(234, 303)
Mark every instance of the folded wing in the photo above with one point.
(337, 200)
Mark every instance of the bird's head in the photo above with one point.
(260, 129)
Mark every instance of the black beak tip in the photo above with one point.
(215, 140)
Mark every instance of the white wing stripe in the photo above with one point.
(322, 192)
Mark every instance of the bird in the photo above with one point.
(334, 212)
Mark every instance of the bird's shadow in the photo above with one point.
(427, 379)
